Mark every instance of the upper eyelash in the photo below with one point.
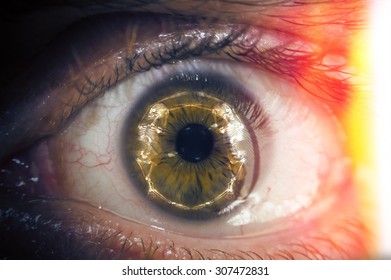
(241, 44)
(182, 47)
(175, 47)
(302, 66)
(237, 41)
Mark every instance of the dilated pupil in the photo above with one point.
(194, 142)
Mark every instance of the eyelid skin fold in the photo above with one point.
(117, 46)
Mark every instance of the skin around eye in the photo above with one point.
(84, 162)
(332, 229)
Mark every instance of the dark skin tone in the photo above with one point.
(35, 226)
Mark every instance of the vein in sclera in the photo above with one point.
(298, 157)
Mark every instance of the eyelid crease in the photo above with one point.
(270, 50)
(277, 53)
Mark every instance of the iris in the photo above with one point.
(191, 143)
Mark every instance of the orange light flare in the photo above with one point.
(363, 104)
(363, 107)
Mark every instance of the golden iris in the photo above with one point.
(189, 147)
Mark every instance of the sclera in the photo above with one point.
(301, 148)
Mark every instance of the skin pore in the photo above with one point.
(35, 226)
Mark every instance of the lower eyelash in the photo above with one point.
(351, 228)
(80, 239)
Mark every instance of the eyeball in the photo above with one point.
(194, 151)
(269, 151)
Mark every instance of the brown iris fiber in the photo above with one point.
(186, 188)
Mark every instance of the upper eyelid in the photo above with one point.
(84, 88)
(273, 51)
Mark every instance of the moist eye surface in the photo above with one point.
(121, 153)
(191, 146)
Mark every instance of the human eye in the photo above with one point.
(291, 167)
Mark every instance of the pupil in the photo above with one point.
(194, 142)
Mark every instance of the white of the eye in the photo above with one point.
(295, 158)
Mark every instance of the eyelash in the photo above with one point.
(240, 43)
(182, 47)
(269, 50)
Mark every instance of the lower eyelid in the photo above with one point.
(66, 226)
(105, 235)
